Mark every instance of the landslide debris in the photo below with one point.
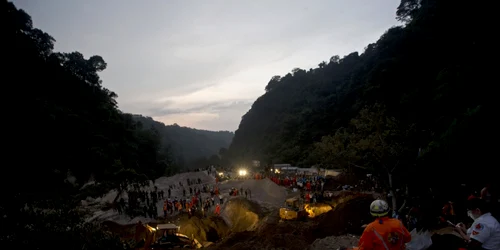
(205, 230)
(209, 229)
(242, 215)
(271, 233)
(335, 242)
(346, 217)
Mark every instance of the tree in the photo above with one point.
(334, 59)
(382, 144)
(407, 9)
(74, 132)
(374, 141)
(335, 150)
(272, 83)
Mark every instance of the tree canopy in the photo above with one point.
(65, 130)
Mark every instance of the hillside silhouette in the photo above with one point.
(191, 148)
(427, 81)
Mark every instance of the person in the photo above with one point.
(384, 233)
(485, 231)
(217, 210)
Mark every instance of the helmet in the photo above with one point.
(379, 208)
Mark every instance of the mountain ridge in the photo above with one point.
(189, 146)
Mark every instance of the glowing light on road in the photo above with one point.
(242, 172)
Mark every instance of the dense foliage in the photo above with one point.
(65, 130)
(427, 82)
(192, 148)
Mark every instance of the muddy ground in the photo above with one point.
(272, 233)
(244, 224)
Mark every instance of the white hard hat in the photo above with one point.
(379, 208)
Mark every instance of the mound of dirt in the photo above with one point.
(124, 231)
(97, 206)
(163, 182)
(242, 215)
(335, 242)
(284, 235)
(210, 229)
(265, 192)
(271, 233)
(346, 217)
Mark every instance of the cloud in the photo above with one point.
(211, 107)
(202, 63)
(213, 116)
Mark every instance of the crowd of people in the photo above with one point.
(196, 196)
(387, 232)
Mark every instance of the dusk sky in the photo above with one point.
(202, 63)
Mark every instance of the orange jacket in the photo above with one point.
(384, 234)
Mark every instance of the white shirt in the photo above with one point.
(486, 230)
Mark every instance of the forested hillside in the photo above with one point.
(191, 148)
(64, 130)
(423, 89)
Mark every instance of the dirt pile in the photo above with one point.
(265, 192)
(346, 217)
(98, 206)
(124, 231)
(271, 234)
(335, 242)
(242, 215)
(210, 229)
(350, 213)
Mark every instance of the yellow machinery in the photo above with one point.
(316, 209)
(295, 209)
(292, 210)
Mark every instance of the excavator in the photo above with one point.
(293, 210)
(296, 209)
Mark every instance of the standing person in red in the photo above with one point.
(308, 198)
(308, 186)
(384, 233)
(217, 209)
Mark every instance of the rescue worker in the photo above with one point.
(217, 210)
(384, 233)
(485, 231)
